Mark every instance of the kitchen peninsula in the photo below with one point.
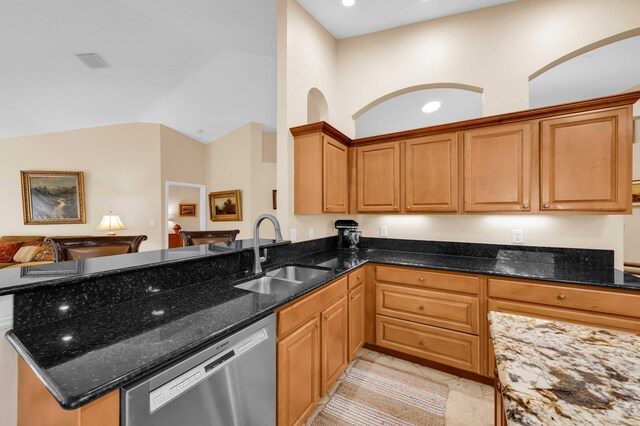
(200, 305)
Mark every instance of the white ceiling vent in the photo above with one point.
(92, 60)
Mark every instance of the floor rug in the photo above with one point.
(375, 394)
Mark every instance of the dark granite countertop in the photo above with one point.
(83, 357)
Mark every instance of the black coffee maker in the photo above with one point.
(348, 234)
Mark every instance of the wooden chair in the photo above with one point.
(73, 248)
(194, 238)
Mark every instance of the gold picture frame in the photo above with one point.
(52, 197)
(188, 209)
(225, 206)
(635, 193)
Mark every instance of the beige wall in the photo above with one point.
(235, 161)
(184, 194)
(496, 49)
(121, 166)
(9, 381)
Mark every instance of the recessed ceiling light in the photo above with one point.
(431, 107)
(348, 3)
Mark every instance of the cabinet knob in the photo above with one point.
(358, 277)
(545, 206)
(317, 325)
(353, 296)
(421, 279)
(525, 206)
(421, 342)
(395, 207)
(421, 307)
(561, 296)
(326, 317)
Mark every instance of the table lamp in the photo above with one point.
(111, 223)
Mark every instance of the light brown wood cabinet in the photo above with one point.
(312, 350)
(334, 342)
(585, 162)
(321, 181)
(571, 158)
(299, 373)
(378, 178)
(431, 174)
(36, 406)
(497, 169)
(357, 309)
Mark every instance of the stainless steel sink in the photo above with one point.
(282, 279)
(296, 273)
(268, 285)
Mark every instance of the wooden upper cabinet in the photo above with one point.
(585, 162)
(378, 177)
(335, 175)
(497, 168)
(321, 174)
(431, 174)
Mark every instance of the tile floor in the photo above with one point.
(469, 403)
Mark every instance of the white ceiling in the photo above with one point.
(605, 71)
(187, 64)
(368, 16)
(405, 111)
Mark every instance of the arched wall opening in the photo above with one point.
(604, 68)
(403, 109)
(317, 108)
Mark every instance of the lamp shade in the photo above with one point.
(110, 223)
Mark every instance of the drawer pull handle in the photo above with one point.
(421, 279)
(421, 342)
(421, 307)
(561, 297)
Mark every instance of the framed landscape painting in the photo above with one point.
(50, 198)
(188, 209)
(225, 206)
(635, 193)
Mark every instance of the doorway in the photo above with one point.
(185, 194)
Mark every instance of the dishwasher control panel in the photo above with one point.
(176, 387)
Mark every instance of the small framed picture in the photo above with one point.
(188, 209)
(225, 206)
(635, 193)
(52, 197)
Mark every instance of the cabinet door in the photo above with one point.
(497, 169)
(356, 321)
(431, 174)
(378, 185)
(299, 374)
(335, 328)
(335, 185)
(586, 162)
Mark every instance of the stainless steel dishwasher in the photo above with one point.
(232, 382)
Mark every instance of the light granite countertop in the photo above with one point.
(555, 373)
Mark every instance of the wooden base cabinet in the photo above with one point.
(36, 406)
(299, 374)
(356, 321)
(313, 348)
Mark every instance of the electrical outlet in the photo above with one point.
(293, 234)
(384, 232)
(517, 236)
(152, 223)
(311, 233)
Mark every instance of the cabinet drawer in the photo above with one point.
(356, 278)
(609, 302)
(296, 314)
(446, 310)
(443, 346)
(428, 279)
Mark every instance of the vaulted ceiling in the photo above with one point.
(203, 68)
